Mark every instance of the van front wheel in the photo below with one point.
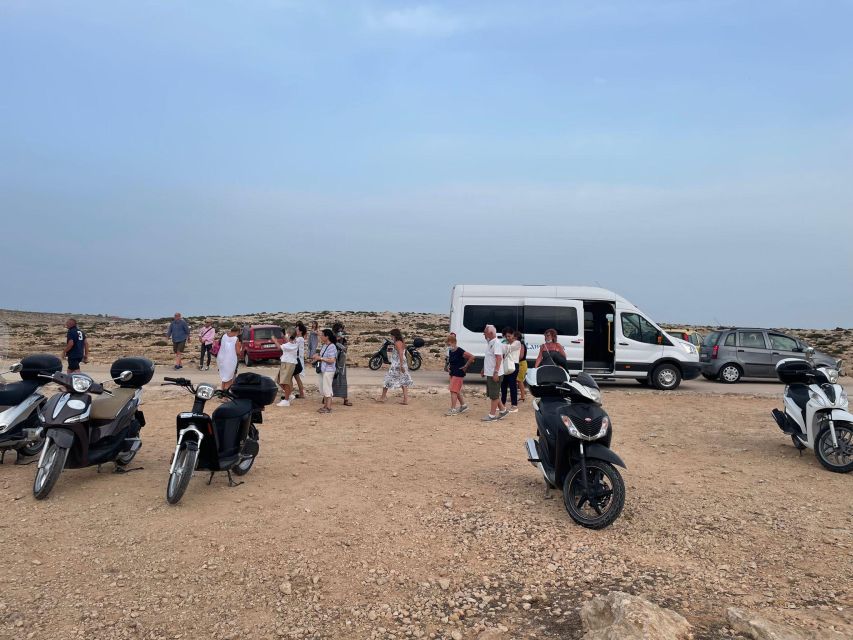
(666, 377)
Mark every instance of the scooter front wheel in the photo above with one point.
(375, 363)
(416, 363)
(600, 503)
(179, 479)
(838, 459)
(48, 474)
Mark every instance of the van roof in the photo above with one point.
(537, 291)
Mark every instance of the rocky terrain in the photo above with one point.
(112, 337)
(391, 522)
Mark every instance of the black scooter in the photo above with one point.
(413, 356)
(226, 441)
(86, 425)
(573, 446)
(20, 403)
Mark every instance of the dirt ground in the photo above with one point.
(389, 521)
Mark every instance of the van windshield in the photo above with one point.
(265, 333)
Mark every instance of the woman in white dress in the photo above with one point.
(230, 352)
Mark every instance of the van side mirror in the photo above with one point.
(16, 368)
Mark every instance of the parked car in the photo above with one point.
(258, 344)
(731, 354)
(688, 335)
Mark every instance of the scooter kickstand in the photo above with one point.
(231, 482)
(120, 469)
(210, 479)
(23, 460)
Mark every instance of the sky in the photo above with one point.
(225, 156)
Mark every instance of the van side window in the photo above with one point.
(751, 339)
(730, 340)
(783, 343)
(477, 316)
(636, 327)
(537, 320)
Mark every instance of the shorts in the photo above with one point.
(178, 347)
(74, 363)
(285, 372)
(325, 383)
(493, 389)
(456, 384)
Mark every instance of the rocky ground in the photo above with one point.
(385, 521)
(110, 337)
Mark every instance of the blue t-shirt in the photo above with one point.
(78, 338)
(456, 360)
(329, 351)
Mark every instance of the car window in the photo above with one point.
(711, 339)
(730, 340)
(636, 327)
(783, 343)
(265, 333)
(696, 339)
(751, 339)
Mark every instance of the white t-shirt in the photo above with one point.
(513, 352)
(493, 348)
(300, 349)
(288, 352)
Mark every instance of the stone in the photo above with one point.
(285, 588)
(753, 626)
(444, 583)
(621, 616)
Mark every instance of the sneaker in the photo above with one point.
(514, 410)
(490, 418)
(283, 403)
(503, 414)
(292, 396)
(463, 408)
(207, 368)
(452, 412)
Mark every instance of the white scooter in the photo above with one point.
(816, 412)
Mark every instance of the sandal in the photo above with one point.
(347, 403)
(324, 410)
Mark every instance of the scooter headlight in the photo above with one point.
(81, 383)
(204, 392)
(576, 433)
(831, 375)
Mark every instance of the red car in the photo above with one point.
(258, 344)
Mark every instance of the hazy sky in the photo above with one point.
(234, 156)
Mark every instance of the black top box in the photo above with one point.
(261, 390)
(142, 369)
(39, 363)
(793, 371)
(417, 343)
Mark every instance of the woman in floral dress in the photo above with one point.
(398, 374)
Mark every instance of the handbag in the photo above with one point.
(318, 366)
(214, 348)
(508, 365)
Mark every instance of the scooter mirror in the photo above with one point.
(809, 351)
(15, 368)
(125, 376)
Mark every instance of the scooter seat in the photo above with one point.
(107, 407)
(15, 393)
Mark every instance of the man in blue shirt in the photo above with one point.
(76, 346)
(178, 331)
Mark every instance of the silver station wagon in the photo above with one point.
(731, 354)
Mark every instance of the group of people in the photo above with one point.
(504, 368)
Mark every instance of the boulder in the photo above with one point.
(752, 625)
(621, 616)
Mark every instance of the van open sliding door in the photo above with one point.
(566, 316)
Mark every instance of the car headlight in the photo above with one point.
(80, 383)
(204, 391)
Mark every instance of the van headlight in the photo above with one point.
(80, 383)
(204, 392)
(688, 347)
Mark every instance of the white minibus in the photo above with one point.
(601, 332)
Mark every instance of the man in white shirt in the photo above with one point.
(492, 368)
(289, 360)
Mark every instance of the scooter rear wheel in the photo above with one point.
(31, 450)
(601, 505)
(46, 476)
(375, 363)
(179, 479)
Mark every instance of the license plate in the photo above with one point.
(269, 346)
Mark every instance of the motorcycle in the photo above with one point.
(413, 356)
(86, 425)
(572, 449)
(226, 441)
(19, 406)
(816, 414)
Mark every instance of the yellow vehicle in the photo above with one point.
(689, 335)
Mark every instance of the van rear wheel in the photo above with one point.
(666, 377)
